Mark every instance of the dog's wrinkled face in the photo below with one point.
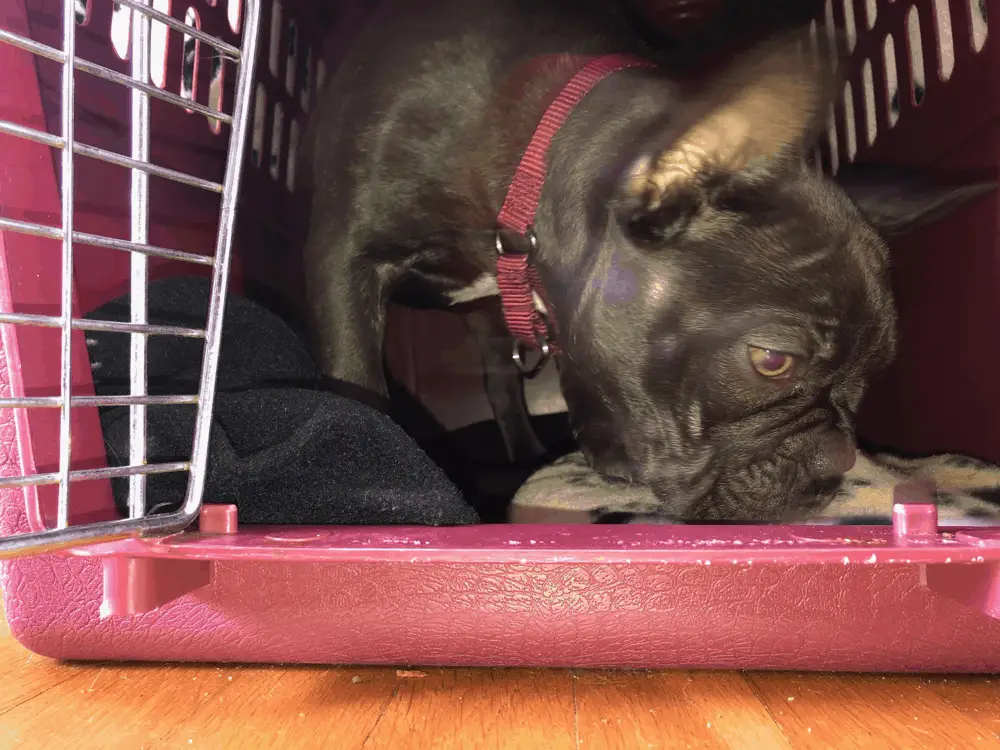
(739, 304)
(729, 379)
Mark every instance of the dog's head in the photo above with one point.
(736, 301)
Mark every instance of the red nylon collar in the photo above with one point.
(517, 277)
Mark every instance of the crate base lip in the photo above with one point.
(566, 543)
(888, 625)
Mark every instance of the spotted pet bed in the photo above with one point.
(966, 491)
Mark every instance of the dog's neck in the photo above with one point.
(511, 116)
(494, 147)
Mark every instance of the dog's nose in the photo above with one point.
(836, 455)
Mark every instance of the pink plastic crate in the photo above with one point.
(907, 598)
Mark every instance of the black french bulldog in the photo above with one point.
(720, 305)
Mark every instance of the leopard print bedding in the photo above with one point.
(966, 491)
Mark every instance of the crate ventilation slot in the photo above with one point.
(189, 58)
(283, 97)
(904, 66)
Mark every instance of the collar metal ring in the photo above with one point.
(519, 355)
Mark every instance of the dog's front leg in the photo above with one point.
(348, 299)
(504, 386)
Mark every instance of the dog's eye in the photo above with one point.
(769, 363)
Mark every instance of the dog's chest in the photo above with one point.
(482, 287)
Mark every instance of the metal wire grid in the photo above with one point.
(65, 535)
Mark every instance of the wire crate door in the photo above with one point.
(82, 89)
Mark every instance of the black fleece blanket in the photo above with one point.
(283, 450)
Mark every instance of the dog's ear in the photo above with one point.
(896, 201)
(762, 111)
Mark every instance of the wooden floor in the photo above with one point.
(45, 704)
